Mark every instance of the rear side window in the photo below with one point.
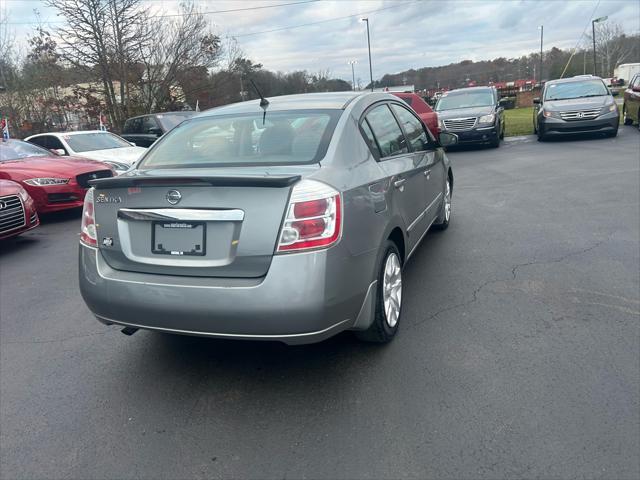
(42, 141)
(148, 124)
(386, 130)
(413, 128)
(371, 139)
(289, 137)
(133, 125)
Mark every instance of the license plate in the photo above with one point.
(178, 238)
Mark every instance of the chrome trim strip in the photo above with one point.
(420, 240)
(181, 214)
(424, 212)
(225, 335)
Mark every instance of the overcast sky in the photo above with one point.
(404, 34)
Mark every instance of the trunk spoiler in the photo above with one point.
(274, 181)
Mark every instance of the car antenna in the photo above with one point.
(264, 103)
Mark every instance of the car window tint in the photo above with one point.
(148, 123)
(387, 131)
(279, 138)
(42, 141)
(54, 142)
(413, 128)
(369, 135)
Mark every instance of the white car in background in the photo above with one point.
(97, 145)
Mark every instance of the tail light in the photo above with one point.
(88, 229)
(314, 217)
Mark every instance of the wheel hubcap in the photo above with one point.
(392, 289)
(447, 202)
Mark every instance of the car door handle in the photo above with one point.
(399, 183)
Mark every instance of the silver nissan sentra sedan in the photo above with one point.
(287, 219)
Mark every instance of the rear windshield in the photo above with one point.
(87, 142)
(284, 138)
(15, 149)
(566, 91)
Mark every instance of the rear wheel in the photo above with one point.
(388, 298)
(444, 217)
(626, 119)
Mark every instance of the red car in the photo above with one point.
(17, 210)
(54, 182)
(422, 108)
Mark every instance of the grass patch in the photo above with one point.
(518, 121)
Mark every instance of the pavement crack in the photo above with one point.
(474, 297)
(514, 270)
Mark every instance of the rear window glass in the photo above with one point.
(88, 142)
(285, 138)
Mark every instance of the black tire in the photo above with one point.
(381, 330)
(502, 131)
(443, 220)
(495, 143)
(626, 120)
(541, 136)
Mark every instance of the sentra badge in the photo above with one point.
(102, 198)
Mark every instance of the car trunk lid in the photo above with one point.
(216, 224)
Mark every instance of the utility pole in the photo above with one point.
(541, 27)
(353, 74)
(593, 34)
(369, 46)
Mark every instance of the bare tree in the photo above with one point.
(104, 35)
(612, 46)
(175, 46)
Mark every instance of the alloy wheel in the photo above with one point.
(447, 202)
(392, 289)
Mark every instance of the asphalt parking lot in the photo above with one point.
(518, 355)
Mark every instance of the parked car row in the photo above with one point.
(50, 182)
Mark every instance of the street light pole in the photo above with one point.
(593, 35)
(541, 27)
(369, 45)
(353, 73)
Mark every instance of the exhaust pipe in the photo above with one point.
(129, 331)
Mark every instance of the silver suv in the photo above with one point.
(286, 220)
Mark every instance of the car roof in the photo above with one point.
(174, 112)
(66, 134)
(303, 101)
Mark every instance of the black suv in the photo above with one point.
(474, 114)
(575, 105)
(146, 129)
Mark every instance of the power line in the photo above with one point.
(579, 40)
(290, 27)
(209, 12)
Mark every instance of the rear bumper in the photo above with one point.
(603, 124)
(296, 302)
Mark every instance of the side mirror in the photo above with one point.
(536, 101)
(58, 151)
(155, 131)
(636, 88)
(448, 139)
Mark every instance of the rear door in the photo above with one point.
(425, 153)
(405, 169)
